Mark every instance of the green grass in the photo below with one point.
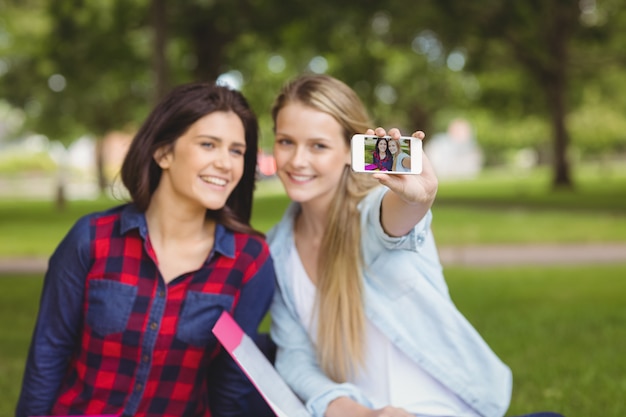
(496, 208)
(19, 300)
(560, 329)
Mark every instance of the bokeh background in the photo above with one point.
(524, 111)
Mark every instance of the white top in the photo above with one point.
(389, 377)
(397, 163)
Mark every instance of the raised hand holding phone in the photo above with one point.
(372, 153)
(412, 195)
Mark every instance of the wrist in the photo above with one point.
(345, 406)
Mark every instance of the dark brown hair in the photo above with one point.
(168, 121)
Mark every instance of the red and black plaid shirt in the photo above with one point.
(135, 345)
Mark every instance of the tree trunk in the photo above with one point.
(552, 73)
(555, 94)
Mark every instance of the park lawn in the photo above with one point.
(560, 329)
(496, 208)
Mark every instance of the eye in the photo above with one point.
(319, 146)
(283, 142)
(207, 144)
(238, 151)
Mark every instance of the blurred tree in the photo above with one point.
(80, 70)
(550, 40)
(80, 66)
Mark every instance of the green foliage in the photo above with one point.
(498, 136)
(77, 68)
(598, 126)
(518, 60)
(12, 164)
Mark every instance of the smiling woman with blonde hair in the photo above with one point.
(401, 160)
(362, 317)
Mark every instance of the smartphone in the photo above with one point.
(371, 154)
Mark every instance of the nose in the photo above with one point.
(223, 160)
(299, 157)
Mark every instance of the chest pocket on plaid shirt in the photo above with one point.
(199, 313)
(109, 304)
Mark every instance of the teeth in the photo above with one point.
(301, 177)
(214, 180)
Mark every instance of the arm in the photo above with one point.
(58, 325)
(343, 406)
(411, 196)
(406, 162)
(297, 364)
(229, 388)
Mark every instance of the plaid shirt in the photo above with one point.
(384, 164)
(113, 338)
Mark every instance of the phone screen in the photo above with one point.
(371, 154)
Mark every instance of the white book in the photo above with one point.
(258, 368)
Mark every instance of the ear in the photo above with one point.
(163, 156)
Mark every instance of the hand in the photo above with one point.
(412, 195)
(413, 189)
(390, 411)
(347, 407)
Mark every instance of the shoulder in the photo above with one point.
(373, 199)
(283, 230)
(77, 243)
(84, 225)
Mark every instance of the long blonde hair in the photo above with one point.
(394, 165)
(339, 302)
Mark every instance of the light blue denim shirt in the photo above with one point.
(407, 298)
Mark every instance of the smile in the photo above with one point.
(301, 178)
(214, 180)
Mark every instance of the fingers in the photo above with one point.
(390, 411)
(394, 132)
(419, 134)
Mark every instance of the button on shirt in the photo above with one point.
(112, 338)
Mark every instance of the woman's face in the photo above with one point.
(393, 147)
(310, 152)
(206, 163)
(382, 146)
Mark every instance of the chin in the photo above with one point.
(214, 205)
(298, 196)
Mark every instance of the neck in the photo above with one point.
(173, 221)
(311, 221)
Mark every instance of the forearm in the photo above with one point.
(346, 407)
(399, 216)
(57, 330)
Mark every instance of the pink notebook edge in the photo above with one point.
(229, 332)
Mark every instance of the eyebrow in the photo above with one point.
(315, 138)
(218, 139)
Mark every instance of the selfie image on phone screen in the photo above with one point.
(394, 156)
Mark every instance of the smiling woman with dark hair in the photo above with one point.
(131, 294)
(382, 156)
